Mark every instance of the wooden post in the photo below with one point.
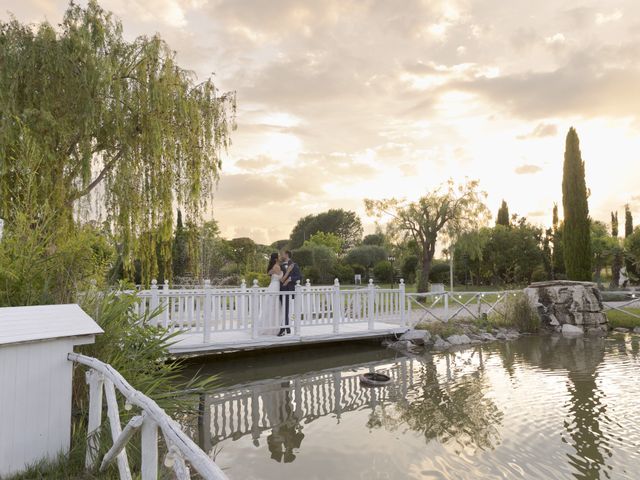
(206, 336)
(116, 428)
(243, 304)
(371, 291)
(255, 309)
(149, 449)
(401, 288)
(337, 306)
(446, 306)
(95, 382)
(297, 308)
(154, 302)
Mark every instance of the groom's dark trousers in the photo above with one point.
(290, 287)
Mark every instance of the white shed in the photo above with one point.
(35, 381)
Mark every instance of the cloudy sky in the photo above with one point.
(341, 100)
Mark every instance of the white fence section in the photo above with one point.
(211, 310)
(445, 306)
(103, 382)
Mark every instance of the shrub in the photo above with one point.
(366, 255)
(439, 272)
(344, 273)
(383, 272)
(263, 279)
(312, 274)
(409, 268)
(517, 313)
(539, 274)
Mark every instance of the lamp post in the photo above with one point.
(392, 259)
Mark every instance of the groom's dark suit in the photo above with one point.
(290, 286)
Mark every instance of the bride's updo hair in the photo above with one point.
(272, 261)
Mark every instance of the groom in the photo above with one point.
(288, 284)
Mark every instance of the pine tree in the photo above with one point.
(576, 235)
(503, 215)
(614, 224)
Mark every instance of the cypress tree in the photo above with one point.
(628, 221)
(558, 251)
(503, 215)
(576, 234)
(614, 224)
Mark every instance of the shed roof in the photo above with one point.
(28, 324)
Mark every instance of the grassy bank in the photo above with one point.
(621, 319)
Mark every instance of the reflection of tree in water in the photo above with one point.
(457, 411)
(580, 357)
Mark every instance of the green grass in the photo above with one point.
(621, 319)
(444, 329)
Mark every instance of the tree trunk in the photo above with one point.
(423, 284)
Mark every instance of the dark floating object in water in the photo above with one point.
(375, 379)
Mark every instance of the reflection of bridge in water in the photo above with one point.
(281, 405)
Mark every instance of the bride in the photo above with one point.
(269, 313)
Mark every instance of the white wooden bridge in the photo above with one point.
(211, 320)
(208, 320)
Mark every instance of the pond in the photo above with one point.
(541, 407)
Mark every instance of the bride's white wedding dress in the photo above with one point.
(270, 320)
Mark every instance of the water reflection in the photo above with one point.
(580, 357)
(540, 407)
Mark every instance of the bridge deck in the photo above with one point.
(191, 343)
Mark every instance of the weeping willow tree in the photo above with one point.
(125, 133)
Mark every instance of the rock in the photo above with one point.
(501, 336)
(512, 335)
(621, 330)
(636, 330)
(400, 345)
(458, 339)
(596, 331)
(568, 329)
(417, 337)
(563, 302)
(487, 337)
(440, 344)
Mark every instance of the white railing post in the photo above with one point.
(154, 302)
(446, 306)
(95, 381)
(255, 309)
(243, 304)
(337, 307)
(149, 449)
(308, 303)
(401, 288)
(371, 297)
(208, 307)
(297, 308)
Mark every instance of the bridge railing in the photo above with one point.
(103, 382)
(211, 310)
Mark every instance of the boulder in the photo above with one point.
(458, 339)
(487, 337)
(597, 331)
(440, 344)
(562, 302)
(501, 336)
(636, 330)
(568, 329)
(417, 337)
(621, 330)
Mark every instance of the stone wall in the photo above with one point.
(562, 302)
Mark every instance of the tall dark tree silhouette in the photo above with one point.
(558, 249)
(503, 215)
(576, 234)
(628, 221)
(614, 224)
